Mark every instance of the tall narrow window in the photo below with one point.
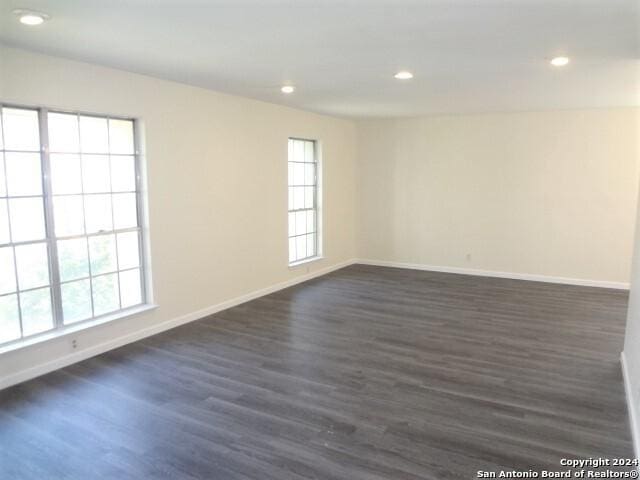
(70, 236)
(303, 200)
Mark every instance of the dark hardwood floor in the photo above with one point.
(365, 373)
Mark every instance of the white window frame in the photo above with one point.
(55, 285)
(316, 207)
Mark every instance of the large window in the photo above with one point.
(70, 236)
(303, 200)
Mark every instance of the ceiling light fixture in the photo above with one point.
(31, 18)
(559, 61)
(403, 75)
(288, 89)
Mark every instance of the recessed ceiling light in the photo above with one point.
(559, 61)
(288, 89)
(31, 18)
(403, 75)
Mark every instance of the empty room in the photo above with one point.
(319, 239)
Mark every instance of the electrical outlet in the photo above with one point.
(74, 343)
(468, 257)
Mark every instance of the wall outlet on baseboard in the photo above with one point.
(74, 344)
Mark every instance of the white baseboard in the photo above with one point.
(491, 273)
(60, 362)
(634, 419)
(41, 369)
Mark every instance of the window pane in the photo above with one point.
(301, 222)
(308, 152)
(95, 174)
(32, 262)
(24, 176)
(301, 247)
(123, 174)
(309, 197)
(66, 175)
(311, 221)
(36, 311)
(68, 215)
(130, 288)
(4, 223)
(309, 174)
(121, 136)
(98, 216)
(94, 186)
(21, 130)
(298, 198)
(7, 271)
(27, 219)
(298, 151)
(73, 259)
(125, 214)
(93, 135)
(302, 196)
(63, 132)
(105, 294)
(311, 245)
(128, 250)
(76, 301)
(9, 318)
(298, 174)
(102, 252)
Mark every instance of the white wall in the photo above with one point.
(631, 354)
(217, 177)
(549, 194)
(537, 193)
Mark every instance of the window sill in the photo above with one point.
(75, 327)
(306, 261)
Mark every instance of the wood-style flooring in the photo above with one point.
(366, 373)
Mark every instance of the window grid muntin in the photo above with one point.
(51, 240)
(113, 220)
(9, 228)
(113, 230)
(18, 291)
(291, 186)
(84, 221)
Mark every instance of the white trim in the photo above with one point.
(76, 327)
(491, 273)
(299, 263)
(631, 407)
(94, 350)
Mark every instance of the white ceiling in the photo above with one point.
(467, 55)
